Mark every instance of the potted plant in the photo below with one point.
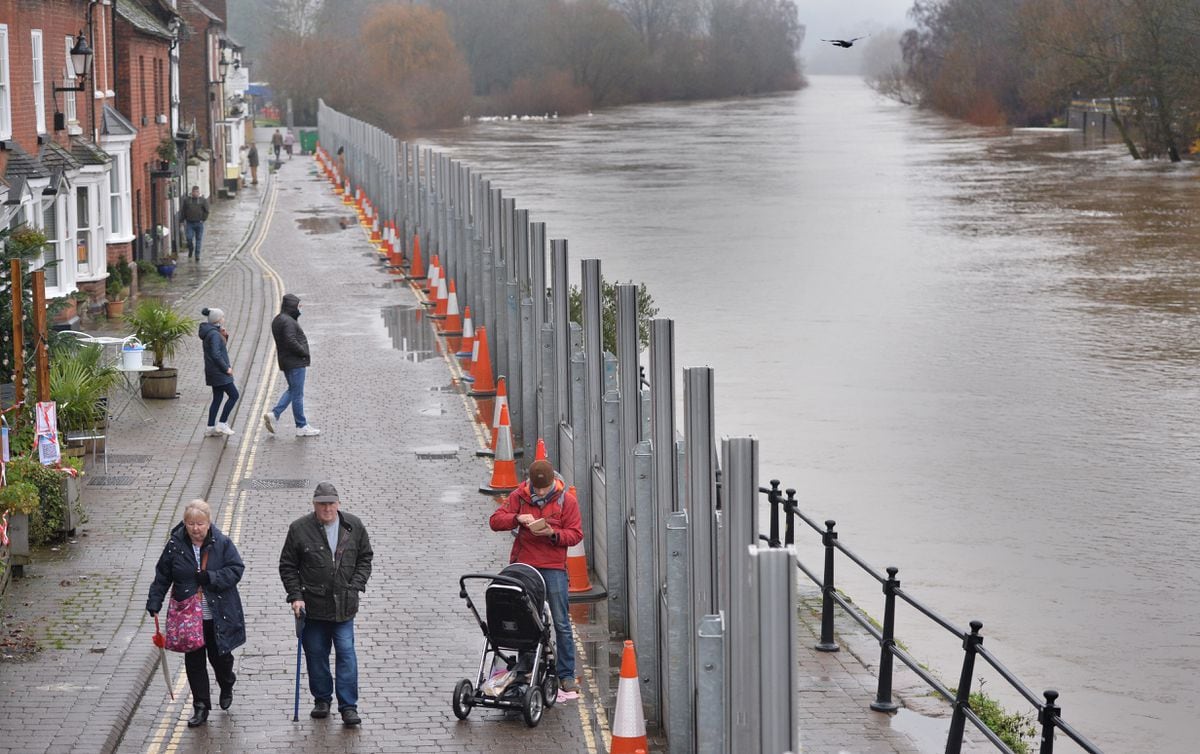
(79, 385)
(120, 277)
(166, 265)
(21, 501)
(160, 328)
(166, 153)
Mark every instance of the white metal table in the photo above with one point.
(130, 388)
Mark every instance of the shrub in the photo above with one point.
(646, 310)
(45, 523)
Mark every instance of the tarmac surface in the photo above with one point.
(381, 393)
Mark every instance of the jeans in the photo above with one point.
(194, 230)
(319, 637)
(564, 639)
(197, 674)
(219, 392)
(293, 395)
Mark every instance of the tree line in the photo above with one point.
(426, 65)
(1019, 62)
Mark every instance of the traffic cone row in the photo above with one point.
(629, 722)
(504, 468)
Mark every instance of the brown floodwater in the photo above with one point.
(977, 350)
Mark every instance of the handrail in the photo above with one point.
(1048, 712)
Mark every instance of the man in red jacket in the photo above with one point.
(544, 498)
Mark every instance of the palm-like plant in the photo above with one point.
(160, 328)
(79, 382)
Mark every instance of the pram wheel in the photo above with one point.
(532, 707)
(550, 689)
(464, 699)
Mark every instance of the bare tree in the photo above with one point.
(654, 20)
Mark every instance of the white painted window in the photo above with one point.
(85, 217)
(120, 203)
(52, 227)
(5, 91)
(69, 97)
(39, 81)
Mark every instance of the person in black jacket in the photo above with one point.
(195, 543)
(291, 347)
(195, 214)
(325, 563)
(218, 371)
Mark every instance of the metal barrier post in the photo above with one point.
(681, 689)
(883, 694)
(662, 427)
(581, 472)
(629, 384)
(593, 347)
(1046, 717)
(739, 534)
(789, 506)
(712, 693)
(646, 526)
(962, 698)
(614, 485)
(701, 484)
(828, 537)
(779, 664)
(559, 293)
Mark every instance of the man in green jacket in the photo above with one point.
(325, 563)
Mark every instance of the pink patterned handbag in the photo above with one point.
(185, 620)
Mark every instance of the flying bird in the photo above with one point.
(845, 42)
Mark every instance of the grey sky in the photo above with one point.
(842, 19)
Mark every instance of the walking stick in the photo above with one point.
(299, 644)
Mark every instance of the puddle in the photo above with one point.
(411, 332)
(433, 411)
(928, 733)
(324, 224)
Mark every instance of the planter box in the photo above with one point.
(72, 513)
(18, 538)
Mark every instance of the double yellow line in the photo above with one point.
(170, 729)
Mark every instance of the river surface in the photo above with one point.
(977, 350)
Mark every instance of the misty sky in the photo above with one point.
(842, 19)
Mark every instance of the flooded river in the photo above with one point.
(977, 350)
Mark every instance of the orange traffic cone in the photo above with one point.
(540, 453)
(504, 470)
(441, 306)
(577, 567)
(481, 368)
(629, 724)
(466, 344)
(417, 270)
(348, 195)
(499, 404)
(452, 325)
(430, 287)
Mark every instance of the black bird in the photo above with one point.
(844, 42)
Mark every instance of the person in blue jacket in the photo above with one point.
(199, 557)
(218, 372)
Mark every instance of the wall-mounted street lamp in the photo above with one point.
(81, 63)
(223, 65)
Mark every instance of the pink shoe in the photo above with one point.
(566, 696)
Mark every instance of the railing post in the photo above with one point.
(789, 531)
(827, 538)
(962, 699)
(1049, 712)
(883, 695)
(775, 501)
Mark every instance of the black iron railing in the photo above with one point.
(785, 508)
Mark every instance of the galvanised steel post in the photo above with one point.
(537, 273)
(779, 664)
(452, 226)
(629, 384)
(775, 500)
(581, 471)
(593, 334)
(614, 484)
(962, 699)
(487, 315)
(739, 532)
(680, 713)
(477, 215)
(646, 525)
(712, 693)
(662, 427)
(883, 694)
(828, 537)
(1050, 710)
(548, 400)
(530, 354)
(521, 248)
(701, 485)
(560, 298)
(500, 282)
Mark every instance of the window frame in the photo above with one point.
(70, 111)
(6, 125)
(37, 56)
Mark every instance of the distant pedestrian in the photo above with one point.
(276, 143)
(218, 371)
(341, 160)
(252, 158)
(199, 558)
(544, 498)
(324, 565)
(291, 348)
(289, 141)
(195, 214)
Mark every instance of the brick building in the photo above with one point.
(201, 90)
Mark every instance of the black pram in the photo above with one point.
(517, 667)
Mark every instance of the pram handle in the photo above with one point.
(462, 581)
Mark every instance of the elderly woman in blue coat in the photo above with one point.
(199, 556)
